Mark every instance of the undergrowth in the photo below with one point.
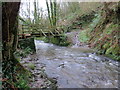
(23, 52)
(14, 75)
(25, 47)
(103, 34)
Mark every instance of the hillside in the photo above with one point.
(103, 32)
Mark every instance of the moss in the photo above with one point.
(63, 41)
(59, 40)
(55, 40)
(31, 66)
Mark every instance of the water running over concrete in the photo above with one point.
(77, 67)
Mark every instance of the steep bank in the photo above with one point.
(105, 35)
(103, 32)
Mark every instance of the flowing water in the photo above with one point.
(77, 67)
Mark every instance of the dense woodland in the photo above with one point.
(96, 23)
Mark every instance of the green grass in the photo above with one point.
(83, 36)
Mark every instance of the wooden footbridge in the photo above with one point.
(27, 32)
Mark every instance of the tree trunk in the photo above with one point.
(0, 33)
(9, 28)
(55, 13)
(52, 8)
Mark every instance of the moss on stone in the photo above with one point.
(31, 66)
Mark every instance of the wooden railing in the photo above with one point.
(27, 31)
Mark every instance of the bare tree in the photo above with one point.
(52, 12)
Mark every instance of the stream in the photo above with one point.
(76, 67)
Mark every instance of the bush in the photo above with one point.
(23, 52)
(27, 43)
